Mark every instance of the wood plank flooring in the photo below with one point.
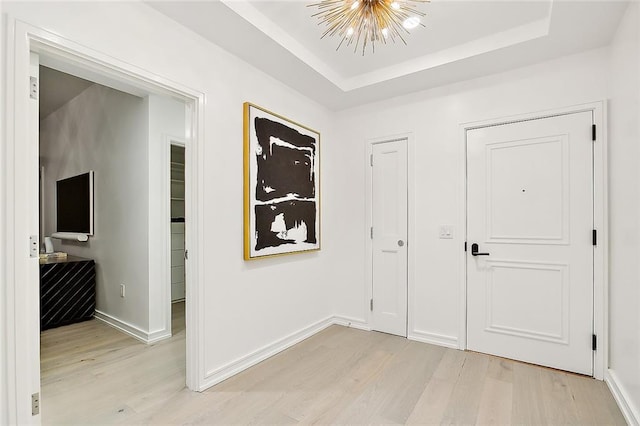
(93, 374)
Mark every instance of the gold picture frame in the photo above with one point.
(281, 185)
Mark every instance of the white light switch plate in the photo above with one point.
(446, 232)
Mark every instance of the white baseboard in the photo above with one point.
(630, 411)
(351, 322)
(434, 339)
(156, 336)
(132, 330)
(234, 367)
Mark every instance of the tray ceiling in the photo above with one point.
(462, 40)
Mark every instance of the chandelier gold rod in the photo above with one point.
(338, 25)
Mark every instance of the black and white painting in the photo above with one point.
(282, 185)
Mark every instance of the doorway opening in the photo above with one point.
(178, 224)
(23, 182)
(98, 295)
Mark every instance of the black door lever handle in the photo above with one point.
(474, 250)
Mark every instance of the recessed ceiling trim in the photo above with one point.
(496, 41)
(511, 37)
(252, 15)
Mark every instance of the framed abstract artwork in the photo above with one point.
(281, 185)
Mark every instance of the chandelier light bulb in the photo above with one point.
(350, 32)
(395, 5)
(385, 32)
(355, 5)
(411, 22)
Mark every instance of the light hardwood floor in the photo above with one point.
(92, 374)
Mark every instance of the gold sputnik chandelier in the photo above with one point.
(368, 21)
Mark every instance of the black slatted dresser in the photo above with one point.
(67, 291)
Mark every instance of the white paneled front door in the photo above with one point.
(389, 236)
(530, 222)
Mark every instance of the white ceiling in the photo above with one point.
(58, 88)
(462, 40)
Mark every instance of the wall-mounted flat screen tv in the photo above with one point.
(74, 204)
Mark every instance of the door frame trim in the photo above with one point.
(21, 345)
(368, 262)
(600, 221)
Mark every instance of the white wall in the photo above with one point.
(248, 305)
(437, 155)
(106, 131)
(4, 310)
(624, 208)
(4, 379)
